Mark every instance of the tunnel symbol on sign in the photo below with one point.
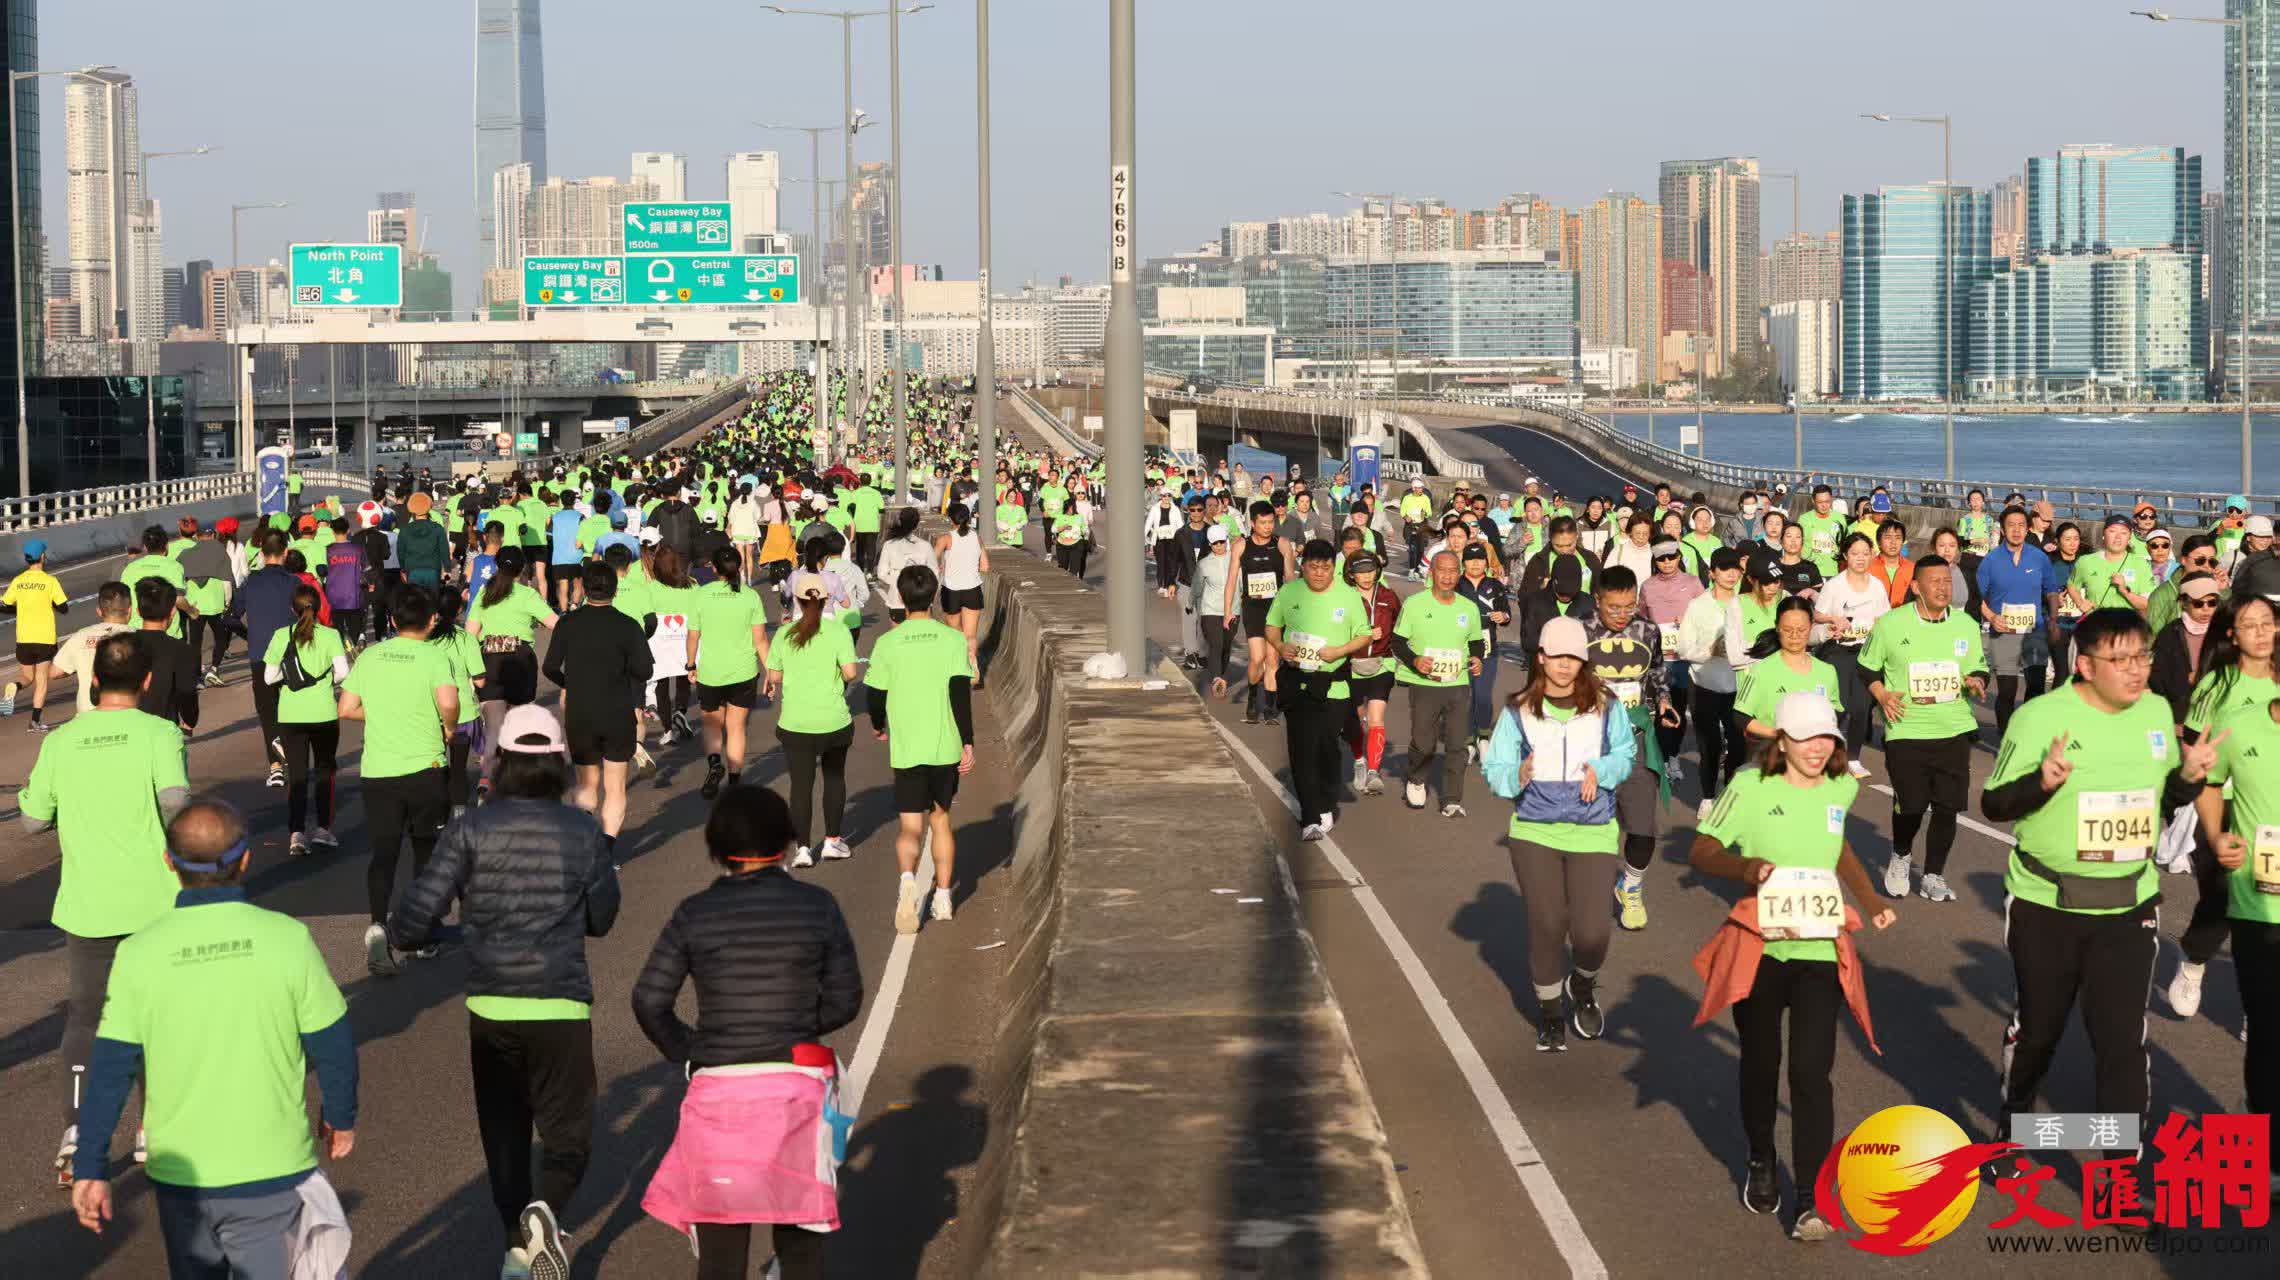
(660, 271)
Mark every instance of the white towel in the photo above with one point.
(320, 1234)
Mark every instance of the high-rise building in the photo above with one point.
(1806, 269)
(2220, 293)
(2255, 258)
(396, 221)
(2008, 240)
(1619, 273)
(667, 171)
(2097, 199)
(1079, 319)
(755, 179)
(2089, 327)
(1710, 220)
(1906, 248)
(1803, 336)
(1503, 308)
(213, 305)
(583, 215)
(19, 51)
(1286, 291)
(510, 105)
(1243, 239)
(510, 203)
(190, 312)
(1318, 234)
(102, 145)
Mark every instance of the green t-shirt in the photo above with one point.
(1011, 520)
(1824, 534)
(1775, 820)
(2247, 757)
(1316, 620)
(728, 616)
(1574, 837)
(466, 656)
(312, 554)
(865, 505)
(913, 664)
(536, 512)
(177, 546)
(2208, 706)
(209, 596)
(508, 518)
(529, 1009)
(1069, 528)
(1051, 499)
(2098, 578)
(1765, 683)
(167, 568)
(1441, 632)
(590, 531)
(1757, 619)
(218, 996)
(1925, 663)
(1703, 545)
(317, 704)
(636, 594)
(397, 679)
(815, 693)
(2121, 760)
(518, 615)
(97, 779)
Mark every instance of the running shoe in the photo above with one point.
(1414, 793)
(835, 849)
(1472, 753)
(1551, 1028)
(1376, 784)
(1631, 903)
(908, 899)
(323, 838)
(516, 1266)
(38, 726)
(1312, 832)
(1583, 1007)
(667, 739)
(213, 678)
(1810, 1228)
(1674, 770)
(1896, 877)
(1858, 770)
(803, 857)
(543, 1243)
(297, 846)
(941, 909)
(277, 776)
(64, 1153)
(8, 699)
(1452, 810)
(1934, 888)
(380, 959)
(2185, 989)
(1361, 776)
(1761, 1189)
(713, 777)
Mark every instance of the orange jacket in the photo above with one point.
(1897, 576)
(1727, 965)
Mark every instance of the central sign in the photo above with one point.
(695, 280)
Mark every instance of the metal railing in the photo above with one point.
(1072, 441)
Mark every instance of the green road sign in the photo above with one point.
(348, 275)
(653, 227)
(526, 442)
(735, 279)
(573, 282)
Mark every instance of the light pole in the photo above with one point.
(1122, 371)
(16, 251)
(150, 376)
(985, 346)
(815, 214)
(1796, 345)
(1947, 268)
(2236, 185)
(241, 408)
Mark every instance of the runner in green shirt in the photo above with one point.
(1824, 531)
(1312, 625)
(921, 702)
(407, 695)
(1787, 666)
(154, 562)
(1012, 521)
(2248, 848)
(810, 666)
(727, 669)
(1925, 667)
(308, 717)
(1440, 640)
(2114, 575)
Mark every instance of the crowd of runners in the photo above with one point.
(516, 646)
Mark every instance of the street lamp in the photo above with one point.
(2237, 190)
(815, 134)
(150, 376)
(241, 409)
(1947, 265)
(16, 250)
(985, 344)
(847, 19)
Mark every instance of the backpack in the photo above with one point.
(344, 575)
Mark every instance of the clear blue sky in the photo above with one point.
(1248, 108)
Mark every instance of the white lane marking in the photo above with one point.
(2001, 837)
(874, 1038)
(1520, 1150)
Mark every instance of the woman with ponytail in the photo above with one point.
(505, 620)
(308, 662)
(728, 667)
(810, 665)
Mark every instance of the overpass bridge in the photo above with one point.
(556, 412)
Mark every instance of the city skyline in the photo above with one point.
(1195, 173)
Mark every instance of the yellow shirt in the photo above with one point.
(35, 595)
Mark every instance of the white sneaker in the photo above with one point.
(803, 858)
(1896, 877)
(545, 1243)
(8, 699)
(1414, 793)
(1452, 810)
(64, 1154)
(1329, 820)
(1856, 768)
(941, 909)
(667, 739)
(323, 838)
(1311, 832)
(908, 899)
(1361, 775)
(380, 959)
(835, 849)
(1376, 783)
(2185, 989)
(1934, 888)
(1702, 811)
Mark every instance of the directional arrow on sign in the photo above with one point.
(634, 220)
(752, 295)
(345, 295)
(569, 295)
(663, 295)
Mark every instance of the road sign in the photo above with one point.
(573, 282)
(734, 279)
(676, 228)
(526, 442)
(348, 275)
(269, 488)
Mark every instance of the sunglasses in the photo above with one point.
(2201, 602)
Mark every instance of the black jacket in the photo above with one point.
(1540, 607)
(2259, 575)
(676, 523)
(773, 963)
(533, 879)
(264, 603)
(2173, 673)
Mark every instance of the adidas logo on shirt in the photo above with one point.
(1776, 812)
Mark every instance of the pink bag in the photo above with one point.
(757, 1143)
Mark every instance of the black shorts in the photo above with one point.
(744, 693)
(960, 601)
(510, 677)
(925, 787)
(603, 738)
(565, 572)
(1930, 773)
(32, 655)
(1377, 688)
(1255, 618)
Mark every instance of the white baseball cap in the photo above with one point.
(651, 535)
(2258, 527)
(1806, 714)
(1563, 638)
(1218, 533)
(532, 730)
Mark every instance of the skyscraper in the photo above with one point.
(583, 215)
(668, 171)
(1620, 276)
(103, 188)
(753, 178)
(1898, 255)
(2095, 199)
(19, 40)
(396, 221)
(510, 103)
(1710, 221)
(2010, 235)
(510, 209)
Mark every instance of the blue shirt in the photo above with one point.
(563, 528)
(478, 574)
(618, 538)
(2002, 582)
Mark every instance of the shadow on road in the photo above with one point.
(895, 1191)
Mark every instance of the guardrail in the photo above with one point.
(1075, 441)
(1444, 463)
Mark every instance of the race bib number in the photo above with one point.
(1800, 903)
(2067, 608)
(1447, 665)
(2018, 617)
(2114, 826)
(1630, 691)
(1067, 537)
(2264, 858)
(1304, 651)
(1934, 682)
(1669, 639)
(1824, 542)
(1852, 633)
(1261, 586)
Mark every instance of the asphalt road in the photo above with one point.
(1633, 1144)
(415, 1188)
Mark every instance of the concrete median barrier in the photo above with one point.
(1181, 1091)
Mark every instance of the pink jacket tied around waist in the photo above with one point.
(757, 1143)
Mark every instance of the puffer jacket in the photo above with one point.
(773, 963)
(534, 880)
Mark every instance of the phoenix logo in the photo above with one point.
(1902, 1181)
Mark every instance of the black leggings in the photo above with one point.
(317, 743)
(1217, 636)
(672, 695)
(802, 753)
(455, 778)
(1808, 990)
(1672, 736)
(2007, 695)
(724, 1251)
(1722, 747)
(413, 806)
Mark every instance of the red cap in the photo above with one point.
(226, 526)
